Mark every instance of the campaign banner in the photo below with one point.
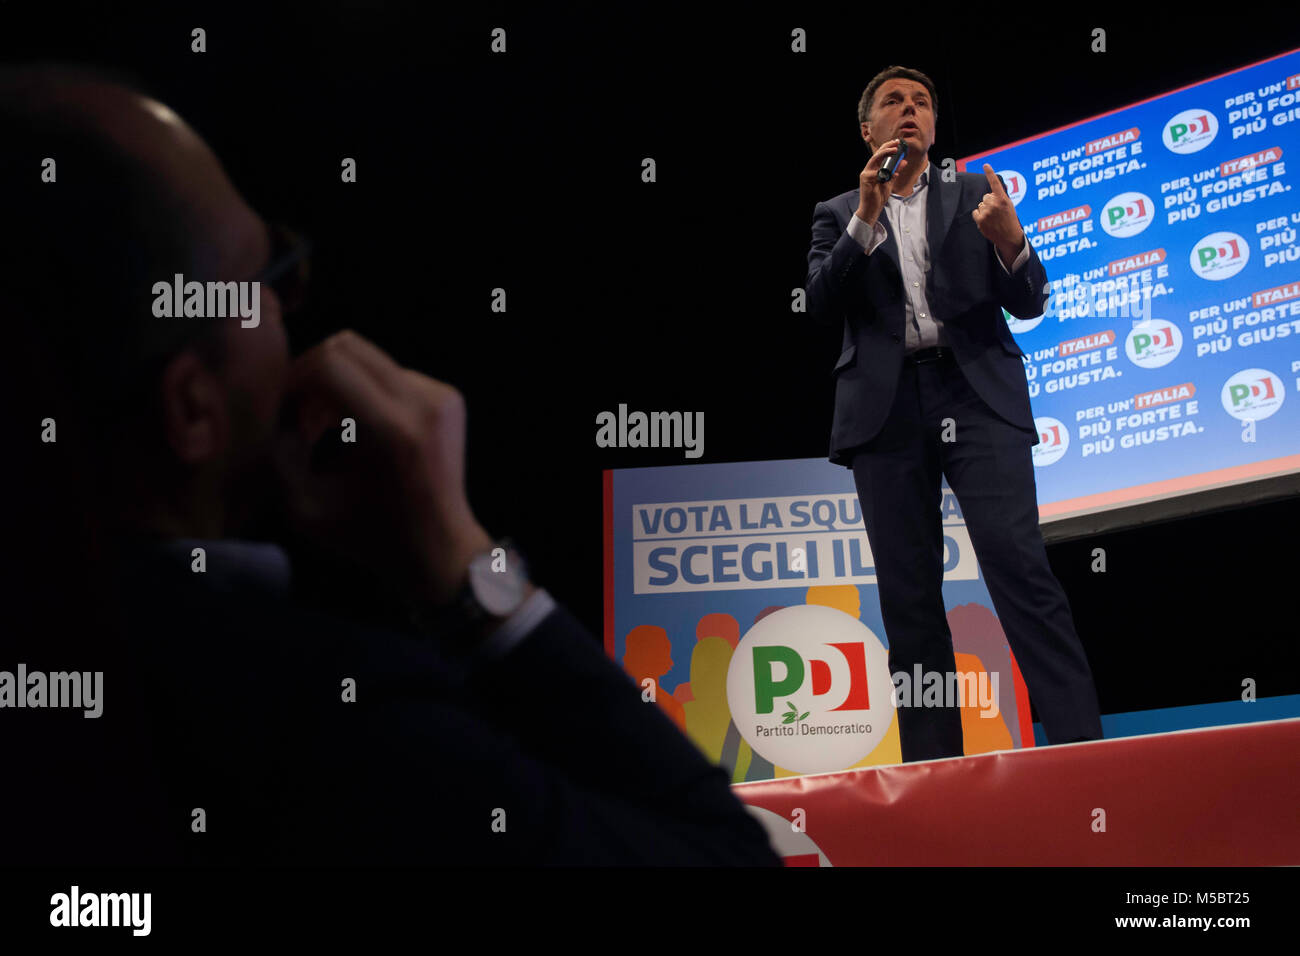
(1168, 358)
(742, 599)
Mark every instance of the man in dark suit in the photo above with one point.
(930, 382)
(380, 684)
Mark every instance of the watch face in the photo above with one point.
(499, 592)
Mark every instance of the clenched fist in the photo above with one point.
(394, 502)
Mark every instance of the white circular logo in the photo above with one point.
(1016, 187)
(1190, 131)
(1220, 255)
(1252, 393)
(795, 848)
(1053, 440)
(1127, 214)
(810, 690)
(1153, 343)
(1020, 325)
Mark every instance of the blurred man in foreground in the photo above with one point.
(379, 697)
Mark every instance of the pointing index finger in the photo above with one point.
(994, 183)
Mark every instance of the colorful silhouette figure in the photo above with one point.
(981, 734)
(707, 716)
(648, 656)
(719, 625)
(736, 754)
(976, 630)
(842, 597)
(711, 625)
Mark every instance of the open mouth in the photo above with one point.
(909, 128)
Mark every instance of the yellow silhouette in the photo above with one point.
(707, 715)
(842, 597)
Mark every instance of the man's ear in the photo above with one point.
(196, 419)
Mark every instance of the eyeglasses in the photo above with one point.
(290, 267)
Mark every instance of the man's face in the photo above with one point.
(256, 358)
(902, 110)
(234, 245)
(212, 436)
(253, 372)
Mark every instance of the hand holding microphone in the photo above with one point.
(892, 162)
(874, 182)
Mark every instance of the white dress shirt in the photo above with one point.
(907, 217)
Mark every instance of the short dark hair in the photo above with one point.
(890, 73)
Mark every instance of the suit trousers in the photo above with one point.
(989, 467)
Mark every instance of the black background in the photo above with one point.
(522, 171)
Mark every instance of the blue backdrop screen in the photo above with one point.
(1168, 359)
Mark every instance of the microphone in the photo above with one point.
(891, 163)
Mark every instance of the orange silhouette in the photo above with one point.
(649, 657)
(719, 625)
(982, 733)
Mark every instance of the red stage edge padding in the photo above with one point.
(1217, 796)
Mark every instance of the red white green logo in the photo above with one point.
(810, 690)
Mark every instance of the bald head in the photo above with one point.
(227, 238)
(108, 192)
(138, 131)
(132, 194)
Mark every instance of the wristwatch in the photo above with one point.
(495, 585)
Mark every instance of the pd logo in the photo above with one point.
(1153, 344)
(794, 847)
(1053, 440)
(1190, 131)
(1016, 187)
(1020, 325)
(809, 689)
(1253, 393)
(1127, 214)
(1220, 255)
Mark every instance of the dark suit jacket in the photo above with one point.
(966, 287)
(243, 693)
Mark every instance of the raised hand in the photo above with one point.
(997, 220)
